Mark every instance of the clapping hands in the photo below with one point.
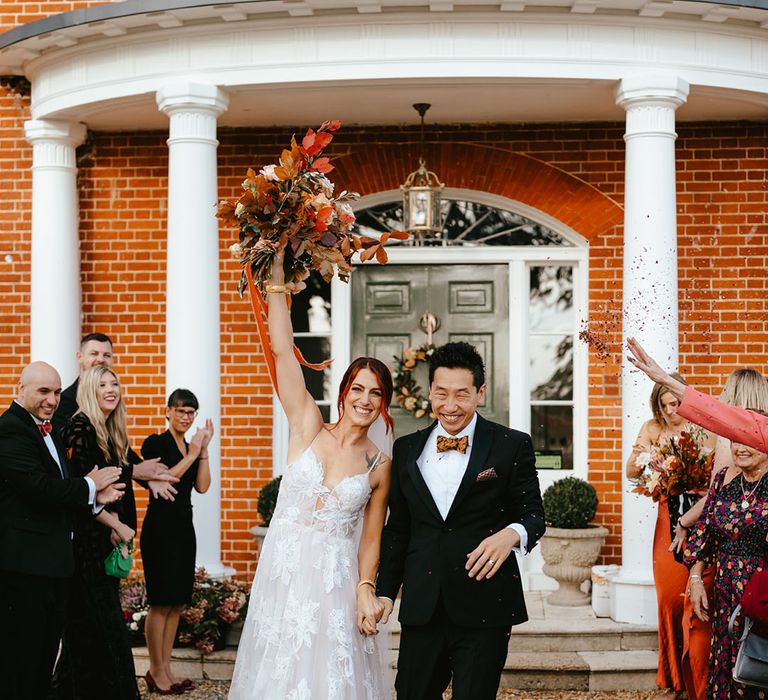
(198, 445)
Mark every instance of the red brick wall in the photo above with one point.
(13, 14)
(574, 173)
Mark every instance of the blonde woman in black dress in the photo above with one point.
(96, 660)
(168, 543)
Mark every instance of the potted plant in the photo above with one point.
(570, 546)
(265, 505)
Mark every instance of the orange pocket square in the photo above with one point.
(487, 475)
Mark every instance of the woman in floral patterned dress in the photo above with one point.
(311, 624)
(731, 531)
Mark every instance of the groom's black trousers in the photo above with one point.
(433, 654)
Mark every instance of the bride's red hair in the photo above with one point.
(383, 378)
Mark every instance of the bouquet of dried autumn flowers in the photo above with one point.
(290, 206)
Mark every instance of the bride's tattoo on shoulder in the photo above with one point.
(372, 462)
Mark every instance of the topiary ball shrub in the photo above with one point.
(570, 503)
(268, 499)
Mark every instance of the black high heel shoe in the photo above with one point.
(155, 688)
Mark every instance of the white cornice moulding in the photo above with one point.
(462, 47)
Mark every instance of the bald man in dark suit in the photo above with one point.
(37, 498)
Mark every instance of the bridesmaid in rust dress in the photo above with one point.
(670, 576)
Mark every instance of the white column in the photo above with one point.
(55, 258)
(192, 310)
(650, 306)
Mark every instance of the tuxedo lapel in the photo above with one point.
(29, 424)
(62, 457)
(481, 448)
(412, 467)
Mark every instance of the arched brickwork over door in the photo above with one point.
(516, 176)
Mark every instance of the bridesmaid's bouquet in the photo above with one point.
(290, 206)
(677, 466)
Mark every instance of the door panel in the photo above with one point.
(471, 302)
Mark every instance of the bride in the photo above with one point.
(311, 625)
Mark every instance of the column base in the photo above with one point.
(633, 597)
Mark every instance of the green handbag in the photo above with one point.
(117, 565)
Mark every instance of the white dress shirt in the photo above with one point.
(443, 472)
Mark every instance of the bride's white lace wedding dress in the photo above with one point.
(300, 640)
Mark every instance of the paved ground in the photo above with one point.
(217, 690)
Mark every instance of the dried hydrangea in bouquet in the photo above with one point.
(290, 206)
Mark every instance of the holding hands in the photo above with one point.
(370, 609)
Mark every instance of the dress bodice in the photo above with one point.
(305, 499)
(307, 508)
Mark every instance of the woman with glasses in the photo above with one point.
(168, 537)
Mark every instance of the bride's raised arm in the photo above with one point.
(304, 417)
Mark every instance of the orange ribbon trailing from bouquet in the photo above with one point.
(260, 311)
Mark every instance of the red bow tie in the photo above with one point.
(45, 428)
(452, 443)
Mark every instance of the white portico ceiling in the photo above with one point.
(389, 103)
(367, 61)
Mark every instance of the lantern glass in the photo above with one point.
(420, 209)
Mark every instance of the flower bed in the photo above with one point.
(215, 605)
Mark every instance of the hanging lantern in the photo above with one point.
(422, 214)
(422, 211)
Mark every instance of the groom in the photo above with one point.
(464, 496)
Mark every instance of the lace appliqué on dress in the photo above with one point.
(300, 640)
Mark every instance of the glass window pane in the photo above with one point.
(552, 434)
(551, 299)
(551, 377)
(464, 223)
(316, 350)
(311, 308)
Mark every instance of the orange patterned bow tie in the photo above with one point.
(452, 443)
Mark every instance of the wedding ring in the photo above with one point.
(491, 562)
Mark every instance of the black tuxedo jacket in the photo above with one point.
(427, 555)
(67, 407)
(35, 501)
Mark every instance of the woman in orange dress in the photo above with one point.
(670, 576)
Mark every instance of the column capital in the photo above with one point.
(200, 97)
(66, 133)
(54, 142)
(650, 102)
(637, 90)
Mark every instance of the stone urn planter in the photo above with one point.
(570, 547)
(569, 555)
(265, 505)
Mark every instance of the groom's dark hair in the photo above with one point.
(458, 356)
